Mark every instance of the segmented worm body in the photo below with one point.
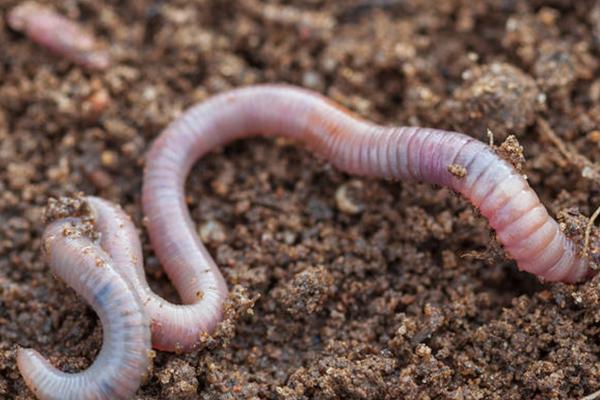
(58, 34)
(125, 356)
(115, 285)
(522, 224)
(174, 327)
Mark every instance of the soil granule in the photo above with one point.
(343, 288)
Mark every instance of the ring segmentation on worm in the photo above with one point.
(125, 356)
(523, 226)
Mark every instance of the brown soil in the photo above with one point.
(368, 289)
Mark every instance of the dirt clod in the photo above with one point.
(512, 151)
(307, 292)
(457, 170)
(498, 97)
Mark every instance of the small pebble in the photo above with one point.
(594, 136)
(93, 107)
(212, 232)
(346, 197)
(109, 159)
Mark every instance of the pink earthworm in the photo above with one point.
(503, 196)
(58, 34)
(175, 327)
(125, 356)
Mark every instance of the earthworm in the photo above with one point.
(502, 195)
(125, 356)
(58, 34)
(175, 327)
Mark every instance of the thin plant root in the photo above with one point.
(588, 231)
(588, 169)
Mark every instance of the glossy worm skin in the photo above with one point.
(522, 224)
(174, 327)
(125, 356)
(58, 34)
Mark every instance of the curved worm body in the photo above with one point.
(58, 34)
(522, 224)
(125, 356)
(174, 327)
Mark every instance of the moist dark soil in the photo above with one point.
(344, 288)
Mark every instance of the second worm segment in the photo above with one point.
(522, 224)
(58, 34)
(124, 358)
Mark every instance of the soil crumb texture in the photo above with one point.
(341, 287)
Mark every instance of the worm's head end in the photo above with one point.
(16, 18)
